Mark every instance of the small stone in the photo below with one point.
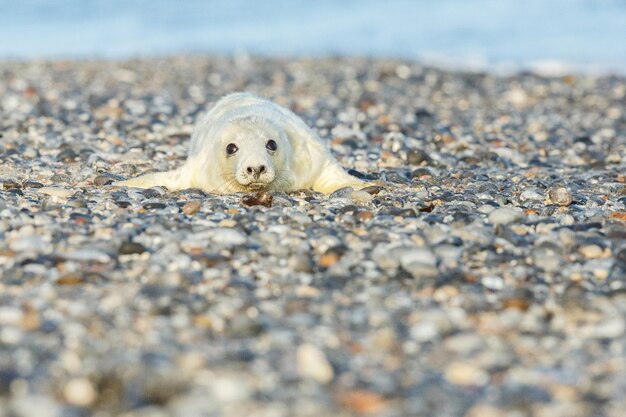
(301, 262)
(356, 173)
(30, 318)
(560, 196)
(227, 237)
(531, 195)
(518, 303)
(154, 205)
(70, 279)
(228, 223)
(505, 215)
(10, 315)
(29, 243)
(362, 401)
(130, 248)
(262, 198)
(422, 173)
(492, 283)
(87, 255)
(591, 251)
(32, 184)
(465, 374)
(600, 268)
(328, 259)
(80, 392)
(9, 183)
(57, 192)
(312, 363)
(191, 207)
(362, 197)
(67, 155)
(618, 215)
(417, 157)
(424, 331)
(306, 291)
(421, 263)
(342, 193)
(226, 389)
(104, 179)
(154, 192)
(372, 189)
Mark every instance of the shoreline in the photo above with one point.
(549, 68)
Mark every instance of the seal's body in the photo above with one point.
(246, 143)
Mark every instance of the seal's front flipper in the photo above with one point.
(333, 177)
(169, 179)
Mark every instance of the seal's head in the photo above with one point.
(253, 154)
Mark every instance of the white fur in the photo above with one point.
(302, 161)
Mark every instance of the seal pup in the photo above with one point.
(246, 143)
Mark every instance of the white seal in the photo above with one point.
(246, 143)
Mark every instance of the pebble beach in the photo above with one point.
(482, 273)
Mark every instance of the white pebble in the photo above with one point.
(505, 215)
(312, 363)
(80, 392)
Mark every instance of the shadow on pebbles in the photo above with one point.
(481, 273)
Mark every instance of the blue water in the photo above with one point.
(586, 34)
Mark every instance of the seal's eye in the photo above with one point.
(231, 149)
(271, 145)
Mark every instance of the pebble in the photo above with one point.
(227, 237)
(417, 157)
(466, 374)
(560, 196)
(505, 215)
(131, 248)
(80, 392)
(262, 198)
(312, 363)
(342, 194)
(531, 195)
(10, 315)
(362, 197)
(591, 251)
(29, 243)
(67, 155)
(57, 192)
(154, 205)
(32, 184)
(191, 207)
(493, 283)
(87, 255)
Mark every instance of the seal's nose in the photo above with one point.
(256, 171)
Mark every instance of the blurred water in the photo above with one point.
(587, 34)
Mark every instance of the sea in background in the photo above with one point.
(543, 35)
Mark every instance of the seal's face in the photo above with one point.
(253, 154)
